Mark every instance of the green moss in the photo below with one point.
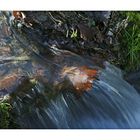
(4, 114)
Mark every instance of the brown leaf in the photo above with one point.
(81, 77)
(18, 15)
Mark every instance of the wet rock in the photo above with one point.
(134, 79)
(10, 83)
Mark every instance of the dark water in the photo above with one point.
(110, 103)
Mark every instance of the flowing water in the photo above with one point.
(111, 103)
(43, 92)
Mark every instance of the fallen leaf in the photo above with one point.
(81, 77)
(18, 15)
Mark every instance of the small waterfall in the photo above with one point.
(111, 103)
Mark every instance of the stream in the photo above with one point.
(63, 89)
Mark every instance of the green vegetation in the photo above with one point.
(4, 114)
(131, 41)
(74, 34)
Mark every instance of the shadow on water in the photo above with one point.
(44, 95)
